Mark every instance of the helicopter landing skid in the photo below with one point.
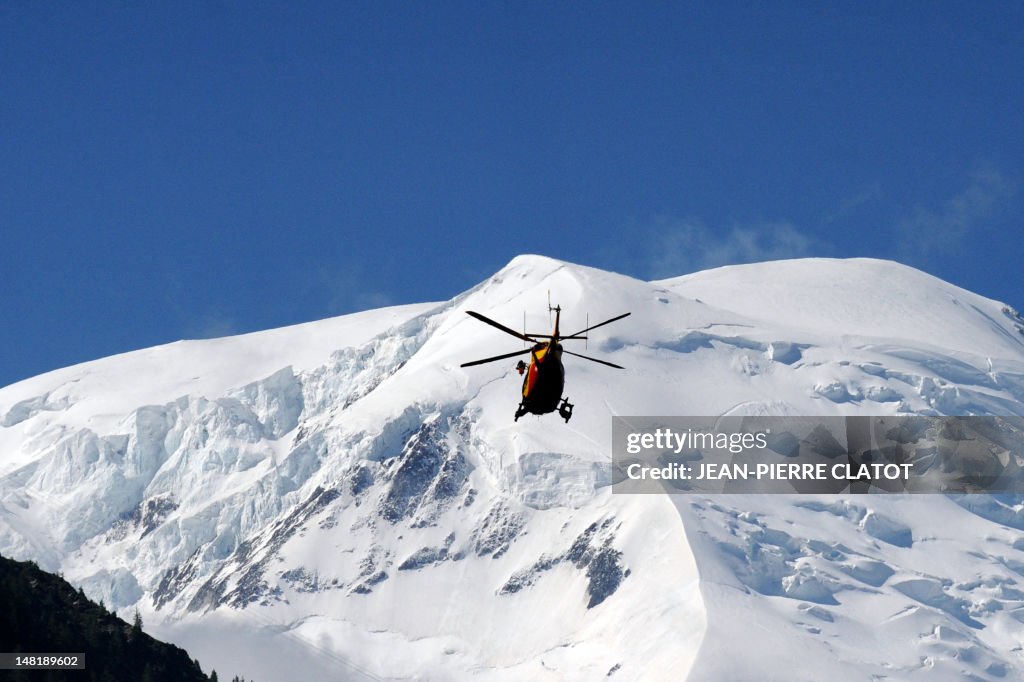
(565, 410)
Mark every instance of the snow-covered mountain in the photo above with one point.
(341, 500)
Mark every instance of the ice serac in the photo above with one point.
(342, 498)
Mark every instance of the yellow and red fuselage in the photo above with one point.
(545, 378)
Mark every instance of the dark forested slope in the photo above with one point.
(42, 613)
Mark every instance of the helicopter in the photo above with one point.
(544, 377)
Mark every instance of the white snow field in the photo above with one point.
(340, 500)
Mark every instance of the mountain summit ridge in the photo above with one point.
(312, 482)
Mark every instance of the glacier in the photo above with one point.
(340, 500)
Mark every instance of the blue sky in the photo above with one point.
(183, 170)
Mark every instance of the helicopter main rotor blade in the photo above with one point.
(587, 357)
(498, 325)
(599, 324)
(560, 338)
(496, 357)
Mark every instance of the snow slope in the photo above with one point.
(342, 499)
